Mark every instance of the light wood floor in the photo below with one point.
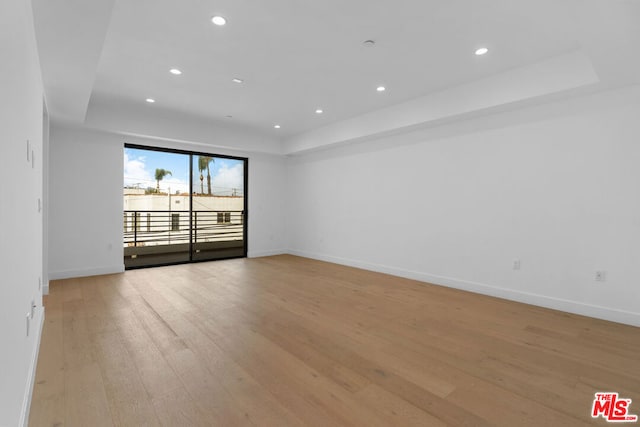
(284, 341)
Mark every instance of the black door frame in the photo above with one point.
(191, 154)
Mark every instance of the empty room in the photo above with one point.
(279, 213)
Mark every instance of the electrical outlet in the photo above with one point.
(516, 264)
(601, 276)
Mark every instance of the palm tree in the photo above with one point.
(203, 163)
(160, 174)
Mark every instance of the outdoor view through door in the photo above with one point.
(182, 206)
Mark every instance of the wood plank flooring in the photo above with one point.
(288, 341)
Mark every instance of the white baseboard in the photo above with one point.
(258, 254)
(97, 271)
(590, 310)
(45, 288)
(26, 402)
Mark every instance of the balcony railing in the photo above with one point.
(155, 228)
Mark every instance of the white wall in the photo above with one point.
(45, 200)
(21, 231)
(267, 186)
(555, 186)
(86, 170)
(85, 221)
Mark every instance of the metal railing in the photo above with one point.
(154, 228)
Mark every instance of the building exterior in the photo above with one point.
(162, 219)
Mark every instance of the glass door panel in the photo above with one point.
(218, 207)
(156, 208)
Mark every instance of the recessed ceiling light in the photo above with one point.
(276, 126)
(150, 100)
(319, 111)
(228, 116)
(381, 88)
(219, 20)
(175, 71)
(369, 43)
(237, 80)
(482, 51)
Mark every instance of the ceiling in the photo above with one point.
(297, 56)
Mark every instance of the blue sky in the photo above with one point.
(140, 166)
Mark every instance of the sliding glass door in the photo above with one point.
(182, 206)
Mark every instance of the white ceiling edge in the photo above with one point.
(88, 134)
(176, 144)
(69, 73)
(562, 73)
(581, 103)
(153, 122)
